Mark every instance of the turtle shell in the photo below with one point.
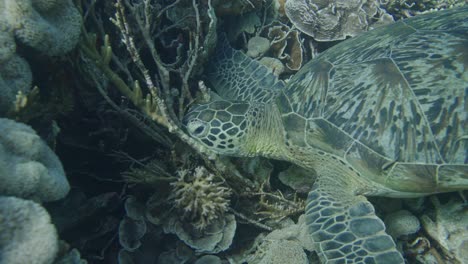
(392, 102)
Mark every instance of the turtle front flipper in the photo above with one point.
(235, 76)
(345, 228)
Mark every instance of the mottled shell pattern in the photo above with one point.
(393, 103)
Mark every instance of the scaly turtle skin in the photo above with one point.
(381, 114)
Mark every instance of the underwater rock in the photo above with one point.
(334, 19)
(447, 224)
(284, 251)
(294, 232)
(213, 239)
(401, 223)
(28, 167)
(263, 249)
(26, 233)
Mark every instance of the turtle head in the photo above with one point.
(222, 126)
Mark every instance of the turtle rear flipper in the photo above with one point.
(236, 76)
(347, 230)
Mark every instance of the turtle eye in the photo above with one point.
(197, 128)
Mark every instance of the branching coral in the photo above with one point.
(199, 197)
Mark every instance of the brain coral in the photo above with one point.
(28, 167)
(49, 26)
(26, 233)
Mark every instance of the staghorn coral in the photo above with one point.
(199, 198)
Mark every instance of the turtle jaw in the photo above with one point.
(265, 135)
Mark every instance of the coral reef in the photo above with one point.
(28, 167)
(288, 244)
(447, 225)
(26, 233)
(286, 46)
(333, 19)
(283, 251)
(199, 198)
(130, 233)
(215, 238)
(15, 74)
(49, 26)
(407, 8)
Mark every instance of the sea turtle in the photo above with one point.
(380, 114)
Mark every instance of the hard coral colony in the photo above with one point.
(159, 100)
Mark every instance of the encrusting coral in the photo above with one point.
(28, 167)
(26, 233)
(199, 197)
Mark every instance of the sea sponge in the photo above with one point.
(50, 26)
(28, 167)
(26, 233)
(200, 199)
